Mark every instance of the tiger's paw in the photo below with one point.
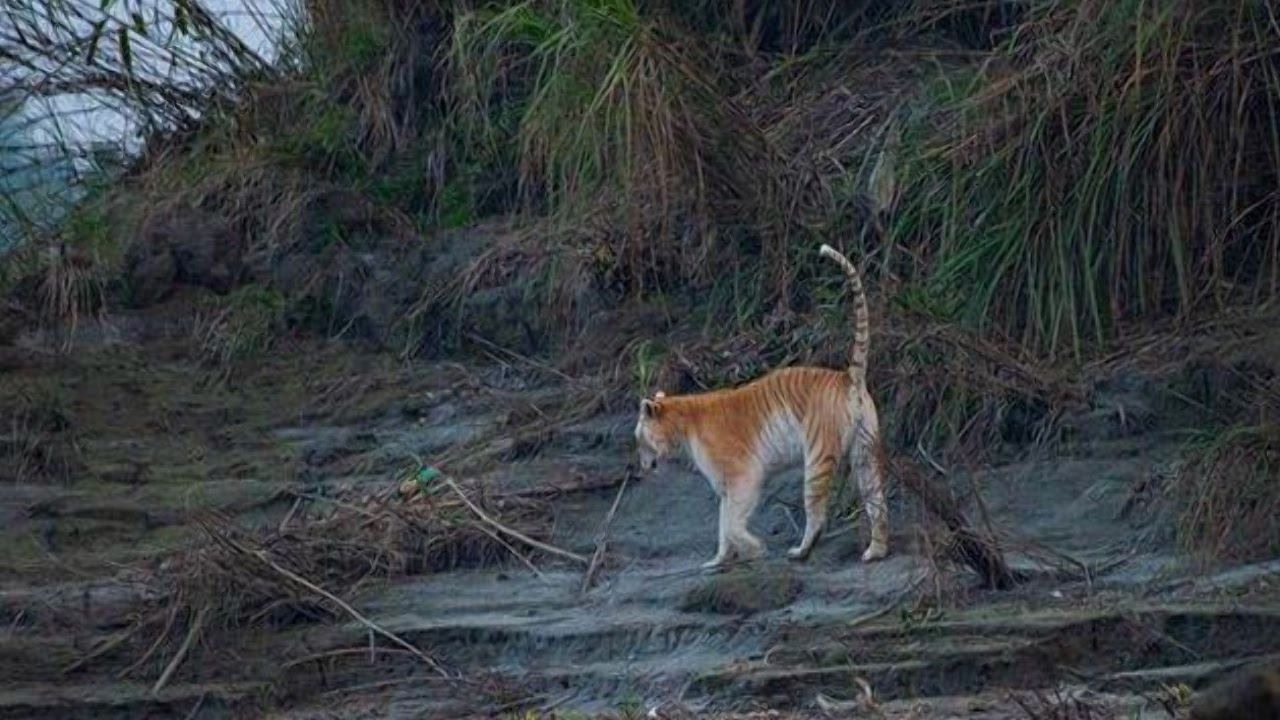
(715, 563)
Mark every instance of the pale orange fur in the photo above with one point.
(736, 437)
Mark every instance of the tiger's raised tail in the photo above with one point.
(861, 322)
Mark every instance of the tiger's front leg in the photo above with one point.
(722, 548)
(739, 496)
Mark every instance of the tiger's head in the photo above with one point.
(654, 438)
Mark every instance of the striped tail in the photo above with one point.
(861, 323)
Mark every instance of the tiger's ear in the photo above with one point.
(659, 395)
(648, 408)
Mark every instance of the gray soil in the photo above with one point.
(1114, 615)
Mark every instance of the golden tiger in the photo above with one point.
(737, 436)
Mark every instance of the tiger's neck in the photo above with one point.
(683, 414)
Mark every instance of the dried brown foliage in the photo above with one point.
(309, 567)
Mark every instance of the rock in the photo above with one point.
(190, 247)
(151, 273)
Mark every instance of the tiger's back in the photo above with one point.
(787, 417)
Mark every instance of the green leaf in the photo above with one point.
(139, 25)
(126, 54)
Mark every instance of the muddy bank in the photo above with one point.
(1113, 608)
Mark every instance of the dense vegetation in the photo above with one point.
(1048, 169)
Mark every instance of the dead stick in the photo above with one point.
(602, 540)
(340, 652)
(512, 532)
(192, 633)
(562, 489)
(350, 611)
(297, 503)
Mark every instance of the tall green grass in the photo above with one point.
(601, 101)
(622, 124)
(1110, 161)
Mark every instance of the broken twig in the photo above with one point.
(484, 517)
(192, 633)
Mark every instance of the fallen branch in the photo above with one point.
(976, 551)
(519, 555)
(193, 632)
(484, 517)
(602, 540)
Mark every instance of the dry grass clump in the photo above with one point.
(238, 329)
(950, 388)
(306, 569)
(72, 286)
(1226, 494)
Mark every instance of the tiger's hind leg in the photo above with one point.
(818, 476)
(865, 462)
